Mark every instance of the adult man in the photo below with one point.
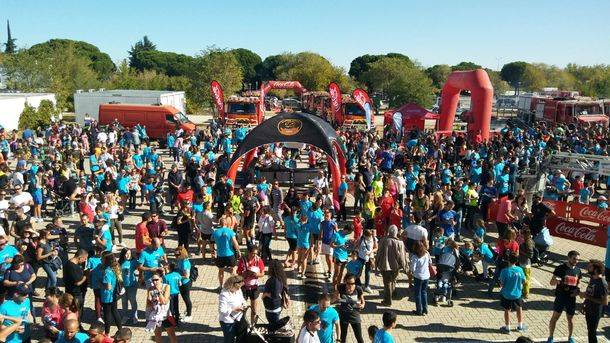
(389, 322)
(70, 333)
(84, 235)
(391, 258)
(142, 236)
(329, 318)
(123, 335)
(97, 335)
(566, 278)
(22, 199)
(540, 211)
(175, 179)
(221, 195)
(157, 228)
(512, 279)
(251, 206)
(75, 280)
(309, 330)
(226, 250)
(276, 199)
(328, 227)
(150, 258)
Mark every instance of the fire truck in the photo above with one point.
(350, 115)
(572, 109)
(316, 102)
(237, 110)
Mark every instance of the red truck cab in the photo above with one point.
(159, 120)
(243, 110)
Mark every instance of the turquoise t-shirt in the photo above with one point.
(78, 338)
(223, 238)
(182, 266)
(94, 264)
(382, 336)
(107, 295)
(340, 250)
(13, 309)
(128, 269)
(512, 282)
(314, 218)
(8, 252)
(108, 238)
(302, 235)
(150, 259)
(291, 226)
(173, 279)
(328, 318)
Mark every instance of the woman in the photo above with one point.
(252, 268)
(291, 199)
(133, 187)
(108, 185)
(340, 254)
(69, 307)
(110, 280)
(52, 313)
(596, 298)
(20, 276)
(360, 190)
(205, 226)
(367, 248)
(369, 207)
(420, 271)
(303, 247)
(129, 265)
(157, 309)
(183, 267)
(45, 254)
(231, 305)
(182, 223)
(266, 230)
(351, 302)
(115, 211)
(505, 247)
(275, 294)
(290, 220)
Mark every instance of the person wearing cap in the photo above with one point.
(601, 202)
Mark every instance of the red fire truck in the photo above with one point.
(564, 110)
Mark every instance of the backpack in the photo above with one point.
(193, 273)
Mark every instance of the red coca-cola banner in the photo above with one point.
(589, 213)
(218, 97)
(335, 102)
(560, 207)
(361, 97)
(577, 231)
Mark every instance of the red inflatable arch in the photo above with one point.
(477, 81)
(269, 85)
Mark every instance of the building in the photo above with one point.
(12, 105)
(88, 102)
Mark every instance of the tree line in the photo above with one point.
(62, 66)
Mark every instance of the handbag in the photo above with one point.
(431, 269)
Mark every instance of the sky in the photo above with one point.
(490, 33)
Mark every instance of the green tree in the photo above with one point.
(249, 62)
(401, 81)
(360, 64)
(142, 45)
(513, 72)
(465, 66)
(313, 70)
(25, 72)
(9, 47)
(214, 64)
(33, 118)
(533, 78)
(500, 86)
(69, 72)
(168, 63)
(267, 69)
(438, 74)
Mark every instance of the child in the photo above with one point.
(174, 280)
(438, 243)
(480, 230)
(485, 254)
(512, 279)
(526, 252)
(466, 254)
(357, 225)
(354, 266)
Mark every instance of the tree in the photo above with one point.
(70, 71)
(168, 63)
(9, 47)
(214, 64)
(361, 64)
(99, 61)
(249, 61)
(33, 118)
(513, 72)
(438, 74)
(465, 66)
(312, 70)
(401, 81)
(533, 78)
(500, 86)
(25, 72)
(267, 69)
(143, 45)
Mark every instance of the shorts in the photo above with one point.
(248, 222)
(292, 244)
(511, 304)
(562, 303)
(251, 293)
(315, 237)
(37, 196)
(168, 322)
(326, 249)
(206, 237)
(339, 262)
(225, 262)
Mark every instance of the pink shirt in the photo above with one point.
(504, 208)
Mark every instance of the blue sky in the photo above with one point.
(490, 32)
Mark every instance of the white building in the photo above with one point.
(90, 101)
(12, 105)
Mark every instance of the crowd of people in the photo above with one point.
(410, 203)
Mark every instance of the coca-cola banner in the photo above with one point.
(560, 207)
(218, 97)
(594, 235)
(335, 101)
(589, 213)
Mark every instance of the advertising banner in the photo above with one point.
(594, 235)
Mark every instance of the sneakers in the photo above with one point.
(550, 340)
(521, 327)
(505, 329)
(100, 320)
(187, 319)
(367, 289)
(570, 340)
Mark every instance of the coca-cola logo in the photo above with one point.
(594, 214)
(582, 233)
(283, 84)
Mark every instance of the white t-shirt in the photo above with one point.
(21, 199)
(416, 232)
(307, 337)
(102, 137)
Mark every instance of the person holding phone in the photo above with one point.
(351, 302)
(566, 278)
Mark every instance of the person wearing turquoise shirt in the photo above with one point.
(103, 237)
(383, 335)
(129, 266)
(226, 249)
(329, 328)
(110, 281)
(302, 244)
(95, 272)
(183, 267)
(340, 254)
(70, 333)
(150, 258)
(290, 220)
(511, 280)
(18, 307)
(314, 218)
(174, 280)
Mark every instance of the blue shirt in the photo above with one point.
(383, 336)
(340, 250)
(8, 252)
(411, 180)
(328, 230)
(78, 338)
(314, 218)
(150, 259)
(128, 269)
(183, 266)
(302, 235)
(354, 267)
(174, 280)
(94, 264)
(107, 295)
(12, 309)
(343, 188)
(291, 226)
(446, 221)
(328, 318)
(512, 282)
(503, 183)
(223, 238)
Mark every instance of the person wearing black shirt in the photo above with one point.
(221, 195)
(75, 281)
(108, 185)
(596, 297)
(351, 302)
(175, 179)
(566, 278)
(275, 293)
(539, 214)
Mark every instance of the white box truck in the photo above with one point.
(12, 105)
(89, 101)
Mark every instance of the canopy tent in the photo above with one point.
(293, 128)
(413, 117)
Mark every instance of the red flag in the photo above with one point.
(335, 102)
(362, 98)
(218, 97)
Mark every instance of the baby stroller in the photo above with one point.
(62, 205)
(282, 332)
(445, 278)
(542, 242)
